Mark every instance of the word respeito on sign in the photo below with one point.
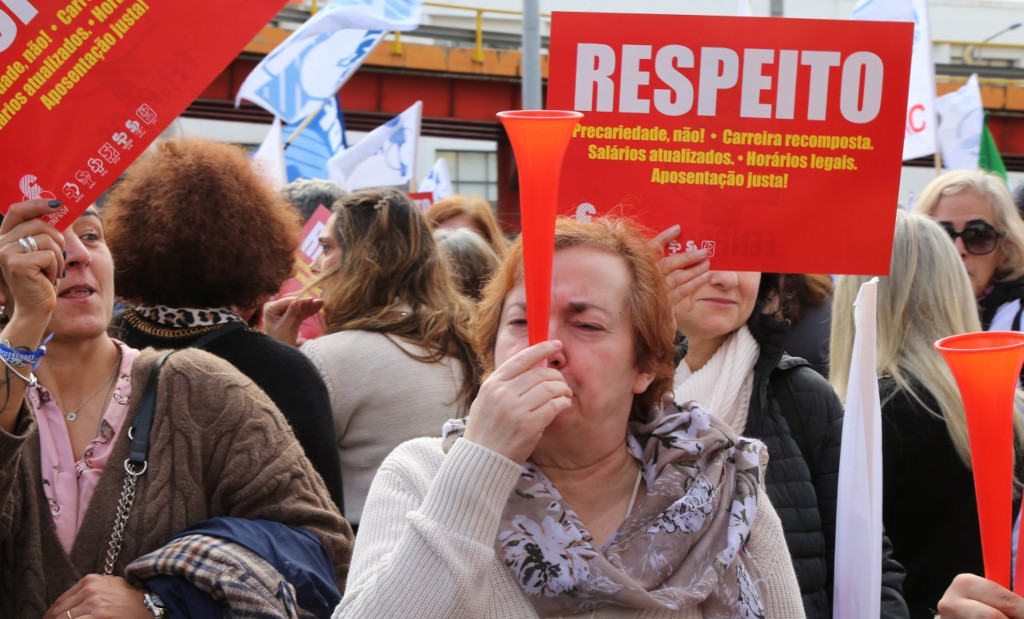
(774, 142)
(609, 80)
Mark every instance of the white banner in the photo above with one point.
(858, 560)
(961, 117)
(385, 157)
(269, 157)
(921, 125)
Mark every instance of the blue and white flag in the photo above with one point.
(307, 154)
(919, 138)
(269, 157)
(385, 157)
(317, 59)
(438, 181)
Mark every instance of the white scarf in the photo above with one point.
(725, 383)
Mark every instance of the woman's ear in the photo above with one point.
(642, 381)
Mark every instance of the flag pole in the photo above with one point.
(304, 124)
(938, 162)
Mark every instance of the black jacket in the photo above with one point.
(929, 507)
(1002, 293)
(283, 372)
(803, 486)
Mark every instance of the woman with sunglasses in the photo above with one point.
(977, 211)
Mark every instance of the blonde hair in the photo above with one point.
(927, 296)
(992, 189)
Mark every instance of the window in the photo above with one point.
(473, 173)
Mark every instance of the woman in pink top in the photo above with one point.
(218, 446)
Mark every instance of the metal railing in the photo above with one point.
(477, 36)
(478, 50)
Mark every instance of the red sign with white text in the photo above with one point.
(308, 251)
(775, 143)
(86, 85)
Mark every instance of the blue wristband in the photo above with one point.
(17, 357)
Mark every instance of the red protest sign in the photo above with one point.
(775, 143)
(86, 85)
(422, 199)
(308, 251)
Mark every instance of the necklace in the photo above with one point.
(72, 414)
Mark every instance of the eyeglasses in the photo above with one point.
(978, 236)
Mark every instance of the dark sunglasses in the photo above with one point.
(978, 236)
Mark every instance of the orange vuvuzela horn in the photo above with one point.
(986, 367)
(539, 139)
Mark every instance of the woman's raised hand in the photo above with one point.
(684, 272)
(517, 402)
(32, 262)
(283, 317)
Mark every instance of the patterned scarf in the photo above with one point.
(185, 317)
(684, 544)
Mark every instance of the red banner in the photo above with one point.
(775, 143)
(103, 78)
(308, 251)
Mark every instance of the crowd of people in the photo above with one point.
(175, 442)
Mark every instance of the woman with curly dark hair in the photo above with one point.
(397, 357)
(199, 240)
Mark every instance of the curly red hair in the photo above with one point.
(194, 225)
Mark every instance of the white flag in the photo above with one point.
(743, 9)
(318, 58)
(961, 118)
(919, 137)
(385, 157)
(858, 560)
(269, 157)
(438, 181)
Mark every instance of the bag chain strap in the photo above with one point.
(124, 508)
(136, 463)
